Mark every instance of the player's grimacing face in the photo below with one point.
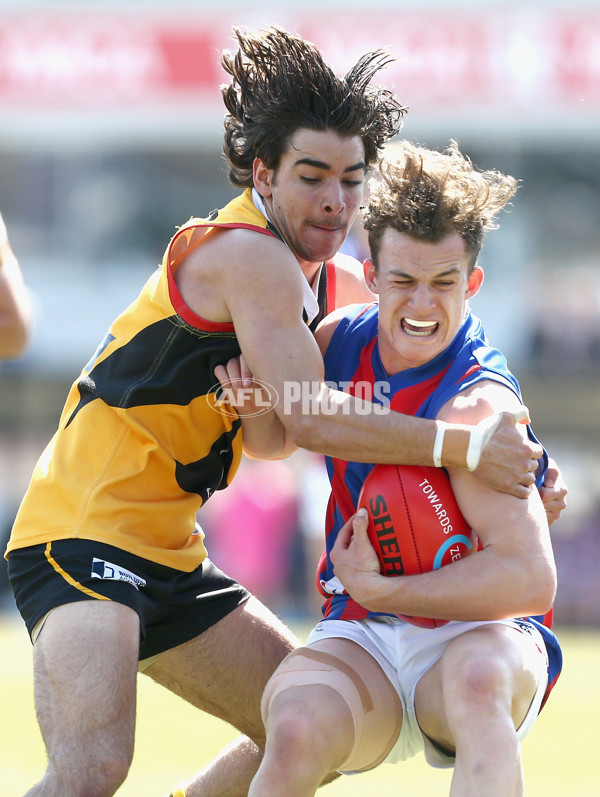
(314, 195)
(423, 288)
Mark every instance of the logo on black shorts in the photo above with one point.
(111, 572)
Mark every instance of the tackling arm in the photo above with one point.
(281, 351)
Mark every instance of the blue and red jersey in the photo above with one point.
(353, 364)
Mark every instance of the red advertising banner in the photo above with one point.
(538, 63)
(66, 62)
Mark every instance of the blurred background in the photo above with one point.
(110, 137)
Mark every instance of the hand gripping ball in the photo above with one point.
(415, 524)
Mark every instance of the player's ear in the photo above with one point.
(475, 281)
(370, 275)
(262, 177)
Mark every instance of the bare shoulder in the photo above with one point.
(498, 518)
(324, 332)
(351, 286)
(234, 266)
(238, 250)
(478, 402)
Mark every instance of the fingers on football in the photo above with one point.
(345, 534)
(360, 520)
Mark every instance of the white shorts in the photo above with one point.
(405, 652)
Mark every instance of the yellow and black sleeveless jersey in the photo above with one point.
(140, 444)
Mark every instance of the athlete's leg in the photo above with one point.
(224, 671)
(328, 707)
(85, 668)
(473, 699)
(227, 775)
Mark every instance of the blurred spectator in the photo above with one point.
(566, 333)
(577, 554)
(251, 527)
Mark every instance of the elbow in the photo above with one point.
(305, 430)
(311, 423)
(268, 454)
(542, 584)
(549, 593)
(305, 435)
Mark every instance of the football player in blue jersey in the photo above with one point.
(369, 686)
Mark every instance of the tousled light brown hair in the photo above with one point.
(280, 83)
(429, 194)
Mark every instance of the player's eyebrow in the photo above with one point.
(395, 272)
(322, 165)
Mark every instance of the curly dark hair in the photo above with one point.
(281, 83)
(429, 194)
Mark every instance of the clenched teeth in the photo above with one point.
(412, 326)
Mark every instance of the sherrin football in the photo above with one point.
(415, 524)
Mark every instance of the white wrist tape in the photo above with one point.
(479, 438)
(438, 445)
(476, 443)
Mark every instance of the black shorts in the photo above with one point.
(173, 606)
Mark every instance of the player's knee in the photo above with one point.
(297, 731)
(100, 777)
(106, 783)
(482, 681)
(116, 769)
(290, 728)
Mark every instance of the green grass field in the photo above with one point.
(173, 740)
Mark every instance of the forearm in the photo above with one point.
(343, 426)
(483, 586)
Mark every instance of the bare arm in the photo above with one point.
(513, 575)
(15, 312)
(263, 434)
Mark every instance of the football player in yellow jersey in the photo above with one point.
(15, 309)
(108, 568)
